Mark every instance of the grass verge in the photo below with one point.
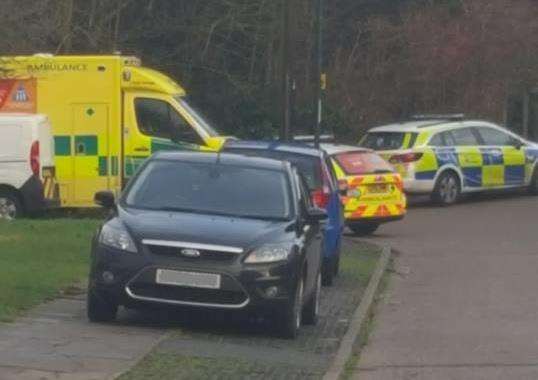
(38, 258)
(368, 326)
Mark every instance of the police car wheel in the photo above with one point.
(363, 229)
(533, 187)
(10, 205)
(447, 189)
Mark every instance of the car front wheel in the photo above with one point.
(291, 317)
(311, 309)
(99, 310)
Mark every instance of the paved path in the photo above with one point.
(55, 341)
(464, 301)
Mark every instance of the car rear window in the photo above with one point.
(308, 166)
(388, 140)
(355, 163)
(209, 188)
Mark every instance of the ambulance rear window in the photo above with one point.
(355, 163)
(388, 140)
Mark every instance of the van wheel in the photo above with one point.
(10, 205)
(99, 310)
(533, 186)
(291, 316)
(311, 309)
(447, 189)
(363, 229)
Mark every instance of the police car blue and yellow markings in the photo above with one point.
(481, 166)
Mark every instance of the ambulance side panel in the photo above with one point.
(83, 102)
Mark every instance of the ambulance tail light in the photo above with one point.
(405, 158)
(34, 158)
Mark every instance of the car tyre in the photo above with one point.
(327, 272)
(447, 189)
(533, 187)
(99, 310)
(311, 309)
(337, 265)
(291, 317)
(363, 229)
(10, 205)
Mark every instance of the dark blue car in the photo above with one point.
(315, 167)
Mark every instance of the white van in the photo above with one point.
(27, 172)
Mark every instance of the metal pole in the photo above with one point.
(320, 77)
(285, 62)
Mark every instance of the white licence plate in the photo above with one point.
(188, 279)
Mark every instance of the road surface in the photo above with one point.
(463, 303)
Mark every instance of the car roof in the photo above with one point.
(228, 159)
(287, 147)
(430, 125)
(332, 149)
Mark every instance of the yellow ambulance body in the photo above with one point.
(107, 114)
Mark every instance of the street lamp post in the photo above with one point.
(285, 77)
(320, 76)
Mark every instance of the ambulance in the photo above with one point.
(108, 114)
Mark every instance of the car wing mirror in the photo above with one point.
(105, 199)
(315, 215)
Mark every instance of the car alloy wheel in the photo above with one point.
(447, 189)
(8, 208)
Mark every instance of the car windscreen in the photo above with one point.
(211, 188)
(308, 166)
(384, 140)
(356, 163)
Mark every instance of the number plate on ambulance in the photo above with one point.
(188, 279)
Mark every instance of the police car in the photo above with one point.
(445, 156)
(371, 190)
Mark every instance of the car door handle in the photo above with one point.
(141, 149)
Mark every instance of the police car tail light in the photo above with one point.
(405, 158)
(34, 158)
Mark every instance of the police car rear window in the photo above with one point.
(388, 140)
(355, 163)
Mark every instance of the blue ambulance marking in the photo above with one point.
(472, 177)
(492, 156)
(514, 174)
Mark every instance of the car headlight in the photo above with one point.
(116, 236)
(269, 254)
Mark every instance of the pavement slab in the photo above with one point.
(55, 341)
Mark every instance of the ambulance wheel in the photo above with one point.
(533, 187)
(10, 205)
(447, 189)
(363, 229)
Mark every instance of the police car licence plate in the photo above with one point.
(380, 188)
(187, 279)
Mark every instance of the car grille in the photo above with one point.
(185, 295)
(204, 254)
